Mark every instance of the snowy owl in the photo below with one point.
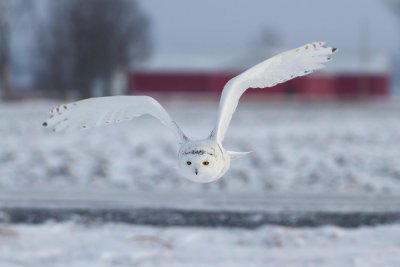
(206, 160)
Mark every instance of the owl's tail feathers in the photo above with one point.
(235, 155)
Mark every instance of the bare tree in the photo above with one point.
(84, 42)
(394, 6)
(13, 15)
(269, 40)
(5, 86)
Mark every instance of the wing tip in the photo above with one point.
(319, 45)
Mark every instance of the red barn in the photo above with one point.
(344, 78)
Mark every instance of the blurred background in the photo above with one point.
(74, 49)
(326, 151)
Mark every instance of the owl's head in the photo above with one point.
(201, 164)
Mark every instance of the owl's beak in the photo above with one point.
(196, 171)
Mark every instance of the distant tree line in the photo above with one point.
(81, 45)
(5, 86)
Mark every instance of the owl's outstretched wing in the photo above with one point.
(100, 111)
(278, 69)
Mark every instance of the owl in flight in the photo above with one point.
(206, 160)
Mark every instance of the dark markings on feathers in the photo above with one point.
(198, 152)
(44, 124)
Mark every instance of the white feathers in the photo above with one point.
(205, 160)
(280, 68)
(100, 111)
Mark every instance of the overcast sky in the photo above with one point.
(232, 25)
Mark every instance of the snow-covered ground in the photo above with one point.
(77, 245)
(320, 148)
(298, 147)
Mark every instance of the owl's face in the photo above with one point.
(199, 168)
(202, 164)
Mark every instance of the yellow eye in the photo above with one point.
(205, 163)
(188, 162)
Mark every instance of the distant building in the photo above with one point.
(345, 77)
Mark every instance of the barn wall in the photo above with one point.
(315, 86)
(349, 85)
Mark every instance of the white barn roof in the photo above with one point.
(343, 62)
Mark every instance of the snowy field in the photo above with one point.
(298, 147)
(319, 148)
(100, 245)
